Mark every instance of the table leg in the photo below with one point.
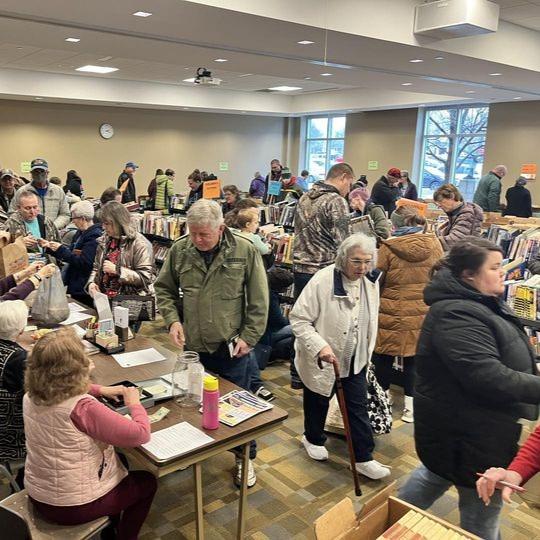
(197, 477)
(242, 503)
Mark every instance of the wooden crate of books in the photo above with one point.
(383, 517)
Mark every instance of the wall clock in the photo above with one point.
(106, 131)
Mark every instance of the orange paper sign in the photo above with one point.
(211, 189)
(528, 170)
(420, 206)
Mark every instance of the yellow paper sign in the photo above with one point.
(25, 166)
(211, 189)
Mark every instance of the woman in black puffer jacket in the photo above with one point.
(475, 378)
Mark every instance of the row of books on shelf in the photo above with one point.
(160, 252)
(516, 241)
(524, 297)
(170, 227)
(280, 213)
(282, 248)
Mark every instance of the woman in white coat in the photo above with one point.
(335, 318)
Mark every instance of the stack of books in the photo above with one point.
(282, 247)
(178, 202)
(155, 223)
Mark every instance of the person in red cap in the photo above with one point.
(385, 192)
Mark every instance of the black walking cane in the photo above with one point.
(343, 408)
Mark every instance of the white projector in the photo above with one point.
(445, 19)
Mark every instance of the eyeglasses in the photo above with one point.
(357, 263)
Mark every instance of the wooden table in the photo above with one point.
(108, 372)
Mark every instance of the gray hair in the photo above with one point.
(366, 243)
(13, 317)
(118, 214)
(500, 170)
(205, 212)
(83, 209)
(26, 194)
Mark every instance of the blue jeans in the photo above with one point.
(424, 487)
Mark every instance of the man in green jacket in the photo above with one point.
(488, 192)
(224, 305)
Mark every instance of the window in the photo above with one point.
(453, 145)
(325, 144)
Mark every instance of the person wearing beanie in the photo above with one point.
(79, 256)
(362, 206)
(386, 192)
(518, 200)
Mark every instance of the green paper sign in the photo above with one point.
(372, 165)
(223, 165)
(25, 166)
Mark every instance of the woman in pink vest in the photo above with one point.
(73, 474)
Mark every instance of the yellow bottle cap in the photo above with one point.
(210, 383)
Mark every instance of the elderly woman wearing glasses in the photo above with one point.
(335, 320)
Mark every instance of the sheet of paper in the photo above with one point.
(102, 306)
(176, 440)
(75, 317)
(138, 358)
(81, 332)
(75, 307)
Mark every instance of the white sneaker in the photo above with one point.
(251, 476)
(318, 453)
(407, 416)
(373, 469)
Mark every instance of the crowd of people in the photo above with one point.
(398, 297)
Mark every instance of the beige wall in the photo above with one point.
(383, 136)
(513, 137)
(68, 137)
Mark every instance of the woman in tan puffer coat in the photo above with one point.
(406, 260)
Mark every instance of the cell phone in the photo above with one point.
(120, 403)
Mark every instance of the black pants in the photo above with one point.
(316, 409)
(384, 372)
(300, 281)
(237, 370)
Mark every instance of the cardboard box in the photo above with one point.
(377, 515)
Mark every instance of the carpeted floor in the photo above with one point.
(292, 490)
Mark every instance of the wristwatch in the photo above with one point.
(38, 277)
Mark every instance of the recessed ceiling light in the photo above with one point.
(72, 40)
(495, 74)
(517, 98)
(415, 60)
(142, 14)
(470, 92)
(305, 42)
(307, 78)
(439, 58)
(326, 74)
(38, 98)
(19, 48)
(285, 88)
(96, 69)
(220, 60)
(185, 108)
(192, 79)
(406, 84)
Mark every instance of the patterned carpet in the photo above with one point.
(292, 490)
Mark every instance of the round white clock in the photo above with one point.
(106, 131)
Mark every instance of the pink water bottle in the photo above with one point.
(210, 403)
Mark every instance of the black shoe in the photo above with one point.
(296, 384)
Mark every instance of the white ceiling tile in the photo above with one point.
(521, 12)
(42, 58)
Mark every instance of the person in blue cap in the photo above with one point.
(126, 183)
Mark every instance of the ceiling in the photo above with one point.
(522, 12)
(261, 52)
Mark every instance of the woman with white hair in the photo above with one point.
(335, 320)
(13, 316)
(124, 263)
(79, 256)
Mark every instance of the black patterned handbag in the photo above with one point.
(141, 308)
(379, 409)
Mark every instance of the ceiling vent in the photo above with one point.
(446, 19)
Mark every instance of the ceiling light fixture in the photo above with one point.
(142, 14)
(245, 75)
(104, 59)
(307, 78)
(326, 74)
(439, 58)
(470, 92)
(38, 98)
(517, 98)
(285, 88)
(220, 60)
(96, 69)
(415, 60)
(185, 108)
(495, 74)
(72, 40)
(305, 42)
(406, 84)
(191, 80)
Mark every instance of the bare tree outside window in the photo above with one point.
(453, 149)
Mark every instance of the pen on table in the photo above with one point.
(505, 484)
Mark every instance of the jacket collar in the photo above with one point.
(339, 288)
